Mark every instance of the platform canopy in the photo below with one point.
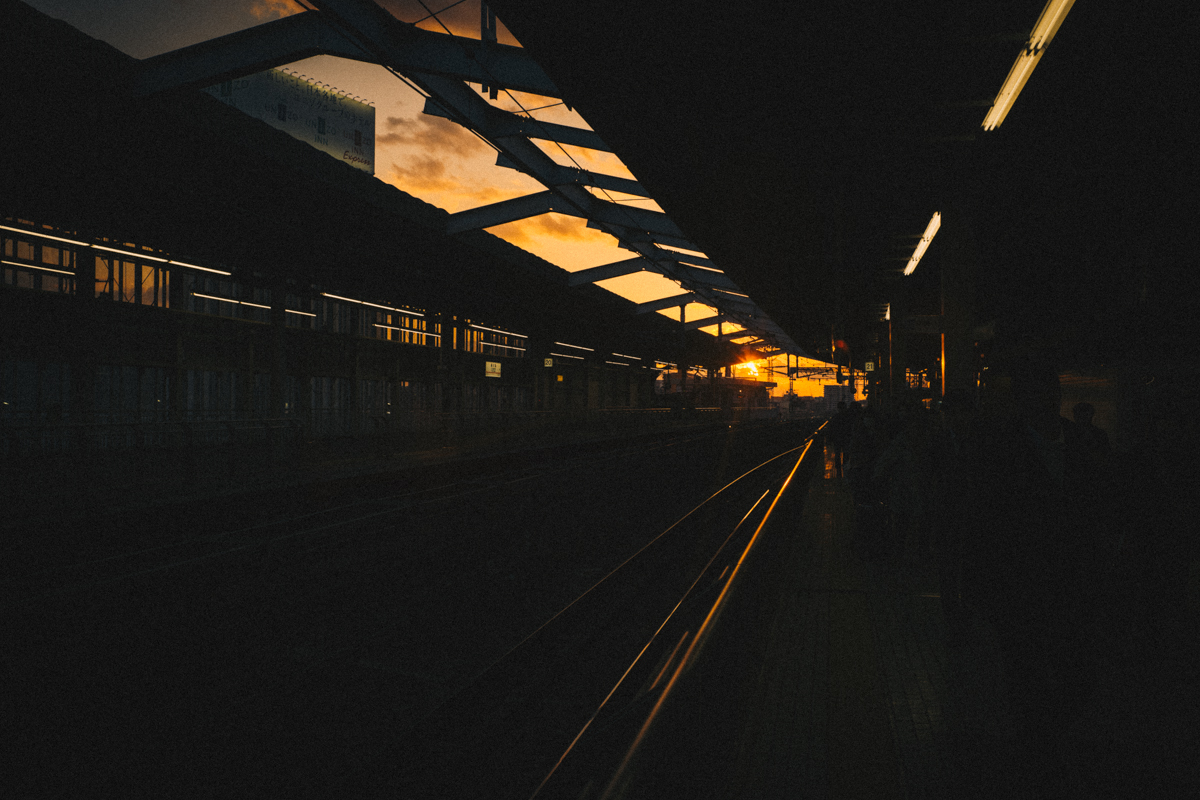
(443, 67)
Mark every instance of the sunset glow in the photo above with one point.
(430, 157)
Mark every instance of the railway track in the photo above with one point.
(574, 700)
(401, 635)
(306, 528)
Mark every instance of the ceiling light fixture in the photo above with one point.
(931, 230)
(372, 305)
(1043, 32)
(143, 256)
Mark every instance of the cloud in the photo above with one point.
(431, 135)
(422, 174)
(428, 178)
(274, 9)
(527, 232)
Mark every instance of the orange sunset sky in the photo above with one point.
(444, 164)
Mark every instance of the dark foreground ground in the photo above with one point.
(411, 632)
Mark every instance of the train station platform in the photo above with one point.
(117, 469)
(867, 693)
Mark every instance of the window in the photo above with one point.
(35, 390)
(46, 267)
(298, 312)
(130, 394)
(261, 401)
(397, 327)
(131, 282)
(209, 394)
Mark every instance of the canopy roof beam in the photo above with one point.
(442, 66)
(309, 33)
(664, 303)
(605, 271)
(696, 324)
(506, 123)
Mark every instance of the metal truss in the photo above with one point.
(442, 66)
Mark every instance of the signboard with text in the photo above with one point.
(328, 120)
(492, 369)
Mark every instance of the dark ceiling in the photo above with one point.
(806, 145)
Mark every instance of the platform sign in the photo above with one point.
(328, 120)
(548, 362)
(869, 366)
(492, 369)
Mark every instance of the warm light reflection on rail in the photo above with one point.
(670, 660)
(654, 636)
(701, 634)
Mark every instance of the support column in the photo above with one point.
(278, 356)
(356, 416)
(178, 401)
(448, 362)
(897, 350)
(683, 355)
(957, 295)
(83, 363)
(245, 381)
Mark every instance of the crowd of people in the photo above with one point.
(1013, 505)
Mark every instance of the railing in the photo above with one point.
(29, 439)
(23, 439)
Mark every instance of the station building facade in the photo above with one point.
(168, 261)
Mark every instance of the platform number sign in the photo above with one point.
(492, 369)
(549, 362)
(869, 366)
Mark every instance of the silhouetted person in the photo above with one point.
(867, 442)
(868, 438)
(904, 473)
(1092, 438)
(1029, 559)
(840, 429)
(957, 416)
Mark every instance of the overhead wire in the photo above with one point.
(699, 576)
(351, 35)
(473, 679)
(710, 300)
(443, 11)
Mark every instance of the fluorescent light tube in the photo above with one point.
(935, 222)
